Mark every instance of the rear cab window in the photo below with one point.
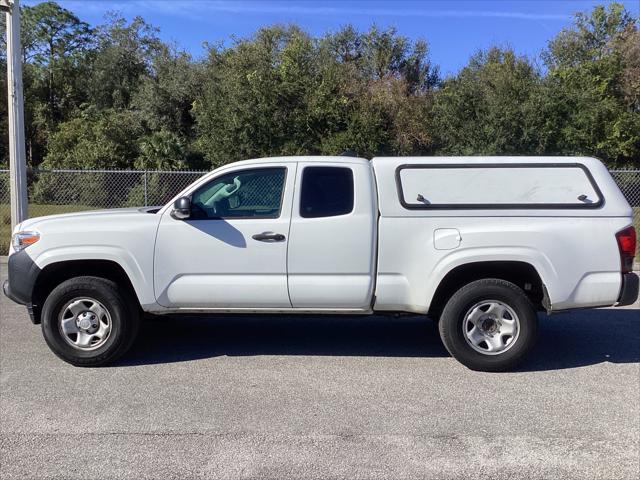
(326, 192)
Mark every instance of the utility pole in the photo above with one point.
(17, 158)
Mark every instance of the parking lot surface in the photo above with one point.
(322, 397)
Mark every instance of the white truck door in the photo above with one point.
(232, 252)
(333, 236)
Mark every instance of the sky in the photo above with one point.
(453, 29)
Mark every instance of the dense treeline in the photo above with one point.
(116, 96)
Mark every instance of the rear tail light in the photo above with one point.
(627, 246)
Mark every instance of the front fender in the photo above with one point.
(141, 281)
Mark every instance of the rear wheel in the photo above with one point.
(489, 325)
(89, 321)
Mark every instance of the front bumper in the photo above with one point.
(629, 290)
(23, 273)
(6, 289)
(31, 309)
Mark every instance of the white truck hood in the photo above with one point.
(32, 223)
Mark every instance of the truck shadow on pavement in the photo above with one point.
(564, 340)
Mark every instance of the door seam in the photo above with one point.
(293, 197)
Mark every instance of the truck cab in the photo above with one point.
(272, 235)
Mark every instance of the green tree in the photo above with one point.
(161, 150)
(252, 101)
(592, 87)
(490, 107)
(166, 92)
(121, 60)
(55, 44)
(164, 101)
(55, 40)
(627, 45)
(589, 38)
(95, 139)
(380, 93)
(116, 96)
(283, 93)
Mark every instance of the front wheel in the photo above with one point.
(489, 325)
(89, 321)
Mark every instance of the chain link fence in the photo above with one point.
(62, 191)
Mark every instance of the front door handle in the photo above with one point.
(268, 237)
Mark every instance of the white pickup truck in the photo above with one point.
(480, 244)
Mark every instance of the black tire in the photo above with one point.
(124, 320)
(452, 324)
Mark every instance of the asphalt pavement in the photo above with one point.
(322, 397)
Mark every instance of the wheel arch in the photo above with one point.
(53, 274)
(521, 273)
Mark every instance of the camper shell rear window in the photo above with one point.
(497, 186)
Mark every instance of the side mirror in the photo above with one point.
(181, 208)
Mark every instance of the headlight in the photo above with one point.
(22, 240)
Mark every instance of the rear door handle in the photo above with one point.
(268, 237)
